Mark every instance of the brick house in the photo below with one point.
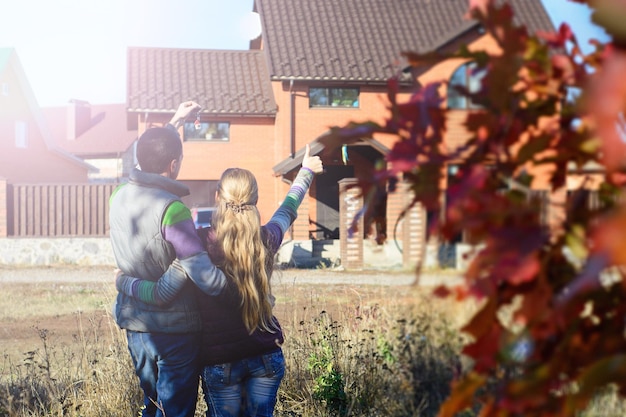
(236, 121)
(316, 65)
(28, 152)
(96, 134)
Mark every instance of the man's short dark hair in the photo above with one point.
(156, 148)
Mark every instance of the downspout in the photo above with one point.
(292, 143)
(292, 119)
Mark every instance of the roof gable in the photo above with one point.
(102, 132)
(222, 82)
(11, 61)
(362, 40)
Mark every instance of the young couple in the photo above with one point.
(225, 331)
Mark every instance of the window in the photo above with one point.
(21, 134)
(5, 89)
(468, 76)
(214, 131)
(334, 97)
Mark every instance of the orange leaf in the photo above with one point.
(609, 238)
(462, 395)
(481, 323)
(607, 100)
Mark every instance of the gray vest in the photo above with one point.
(135, 218)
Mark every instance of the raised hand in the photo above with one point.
(184, 110)
(314, 163)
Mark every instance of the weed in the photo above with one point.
(369, 355)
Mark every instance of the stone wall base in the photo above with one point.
(295, 254)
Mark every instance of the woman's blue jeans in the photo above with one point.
(167, 366)
(243, 388)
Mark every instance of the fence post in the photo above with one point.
(413, 230)
(350, 203)
(4, 207)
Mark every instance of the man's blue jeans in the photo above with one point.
(168, 370)
(244, 388)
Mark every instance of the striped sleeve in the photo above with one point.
(192, 263)
(179, 230)
(288, 210)
(159, 293)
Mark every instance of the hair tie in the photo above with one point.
(237, 208)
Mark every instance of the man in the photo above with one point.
(150, 228)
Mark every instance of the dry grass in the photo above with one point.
(350, 350)
(27, 301)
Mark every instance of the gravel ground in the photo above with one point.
(287, 276)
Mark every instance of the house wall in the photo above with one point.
(35, 163)
(297, 124)
(251, 146)
(307, 124)
(260, 143)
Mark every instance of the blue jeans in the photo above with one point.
(243, 388)
(168, 368)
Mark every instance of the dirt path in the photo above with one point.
(72, 274)
(49, 304)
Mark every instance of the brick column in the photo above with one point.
(301, 225)
(414, 233)
(350, 202)
(4, 218)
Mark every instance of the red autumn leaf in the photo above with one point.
(607, 99)
(563, 68)
(485, 349)
(531, 133)
(557, 39)
(608, 238)
(442, 291)
(535, 303)
(527, 269)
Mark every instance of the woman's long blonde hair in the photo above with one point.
(245, 259)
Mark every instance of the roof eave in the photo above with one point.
(205, 113)
(316, 147)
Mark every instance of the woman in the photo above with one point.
(243, 363)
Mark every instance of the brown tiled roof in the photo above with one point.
(221, 81)
(102, 133)
(362, 40)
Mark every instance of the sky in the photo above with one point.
(76, 49)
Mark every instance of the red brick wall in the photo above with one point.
(259, 144)
(251, 146)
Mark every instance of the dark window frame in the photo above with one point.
(214, 126)
(334, 102)
(469, 76)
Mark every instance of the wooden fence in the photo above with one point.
(80, 210)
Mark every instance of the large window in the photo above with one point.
(213, 131)
(468, 76)
(334, 97)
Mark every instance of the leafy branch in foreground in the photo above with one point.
(550, 332)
